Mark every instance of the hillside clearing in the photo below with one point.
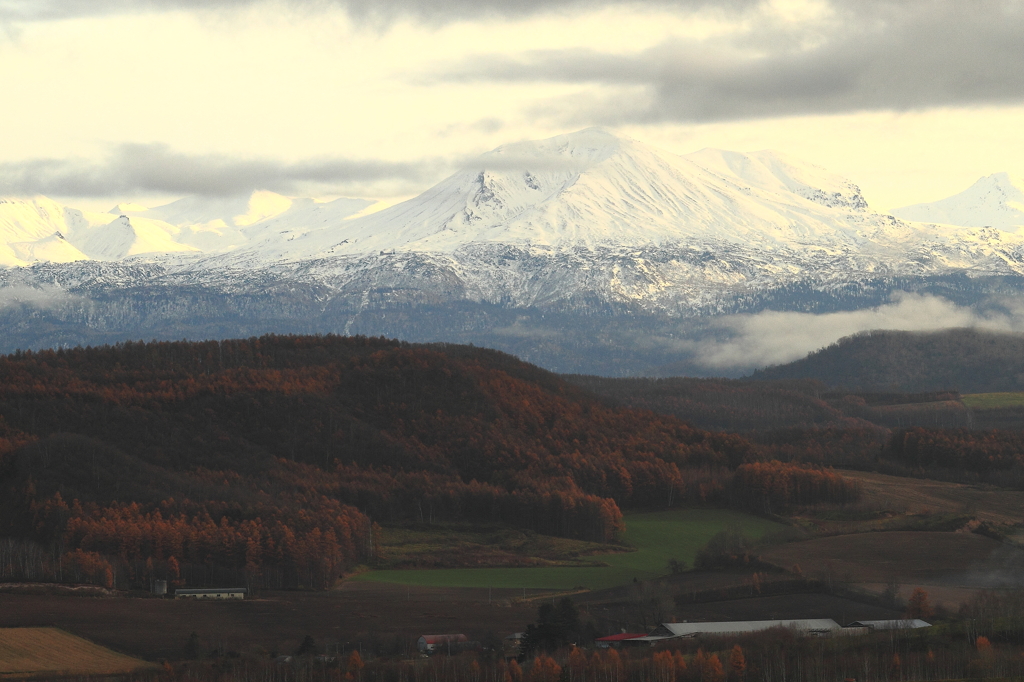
(924, 496)
(657, 537)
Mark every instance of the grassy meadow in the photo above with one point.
(656, 537)
(989, 401)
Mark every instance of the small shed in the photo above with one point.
(211, 593)
(428, 644)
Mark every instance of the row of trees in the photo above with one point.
(761, 657)
(772, 487)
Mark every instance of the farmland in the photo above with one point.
(455, 545)
(989, 401)
(380, 615)
(656, 537)
(911, 557)
(35, 652)
(925, 496)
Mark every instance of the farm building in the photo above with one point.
(430, 643)
(908, 624)
(512, 645)
(211, 593)
(811, 627)
(617, 640)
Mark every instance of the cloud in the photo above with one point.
(867, 55)
(45, 297)
(375, 11)
(132, 169)
(770, 338)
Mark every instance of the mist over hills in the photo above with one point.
(586, 252)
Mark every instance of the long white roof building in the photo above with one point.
(806, 626)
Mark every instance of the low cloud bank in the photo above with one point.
(871, 55)
(361, 10)
(133, 169)
(772, 338)
(45, 297)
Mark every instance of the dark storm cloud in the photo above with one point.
(142, 168)
(375, 10)
(866, 56)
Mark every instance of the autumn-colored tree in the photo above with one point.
(577, 665)
(680, 663)
(983, 645)
(737, 663)
(918, 605)
(544, 669)
(708, 667)
(513, 672)
(354, 665)
(663, 667)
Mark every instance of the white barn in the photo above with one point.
(211, 593)
(811, 627)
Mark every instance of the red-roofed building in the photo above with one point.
(617, 640)
(431, 643)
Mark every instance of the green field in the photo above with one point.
(657, 536)
(988, 401)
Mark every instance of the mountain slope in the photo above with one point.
(993, 201)
(591, 215)
(30, 231)
(222, 224)
(965, 360)
(41, 230)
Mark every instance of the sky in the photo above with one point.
(146, 100)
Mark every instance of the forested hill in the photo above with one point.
(269, 454)
(964, 360)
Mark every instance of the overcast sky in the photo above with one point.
(141, 99)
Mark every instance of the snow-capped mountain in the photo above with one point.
(41, 230)
(215, 224)
(993, 201)
(579, 228)
(594, 190)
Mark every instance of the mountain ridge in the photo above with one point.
(592, 230)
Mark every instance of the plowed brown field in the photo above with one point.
(907, 556)
(48, 652)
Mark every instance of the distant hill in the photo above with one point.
(755, 408)
(964, 360)
(268, 460)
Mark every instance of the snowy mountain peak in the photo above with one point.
(778, 172)
(995, 200)
(572, 151)
(593, 189)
